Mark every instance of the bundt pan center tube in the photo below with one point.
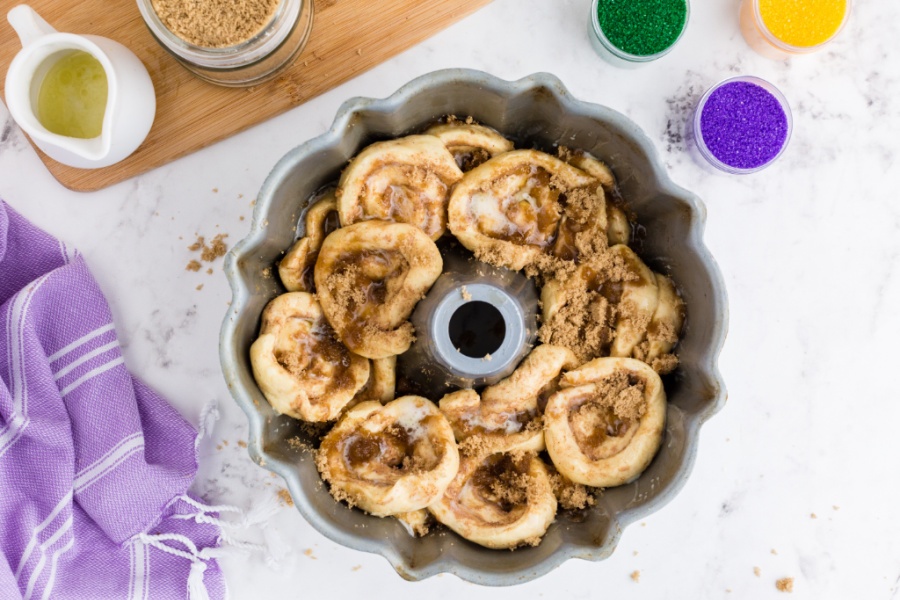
(534, 112)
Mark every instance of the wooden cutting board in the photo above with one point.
(348, 38)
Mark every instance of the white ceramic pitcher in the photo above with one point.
(130, 104)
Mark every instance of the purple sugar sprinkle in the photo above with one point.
(743, 125)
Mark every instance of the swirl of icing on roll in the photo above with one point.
(605, 425)
(300, 366)
(523, 205)
(296, 267)
(390, 459)
(406, 180)
(470, 144)
(499, 500)
(506, 415)
(618, 226)
(369, 277)
(603, 309)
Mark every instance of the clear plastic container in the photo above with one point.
(248, 63)
(698, 135)
(618, 57)
(763, 41)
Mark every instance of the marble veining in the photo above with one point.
(795, 477)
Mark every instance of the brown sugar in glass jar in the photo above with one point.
(233, 43)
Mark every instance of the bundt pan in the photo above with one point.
(536, 111)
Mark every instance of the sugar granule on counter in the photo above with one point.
(636, 576)
(199, 287)
(285, 497)
(743, 125)
(785, 584)
(757, 571)
(309, 552)
(193, 266)
(642, 27)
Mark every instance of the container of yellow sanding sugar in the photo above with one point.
(780, 29)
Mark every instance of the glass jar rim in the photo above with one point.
(698, 131)
(782, 45)
(618, 52)
(254, 48)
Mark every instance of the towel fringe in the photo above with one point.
(209, 414)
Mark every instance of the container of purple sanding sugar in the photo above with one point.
(742, 125)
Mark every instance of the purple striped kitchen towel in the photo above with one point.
(94, 465)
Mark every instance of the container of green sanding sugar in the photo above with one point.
(629, 33)
(742, 125)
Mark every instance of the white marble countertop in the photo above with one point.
(797, 475)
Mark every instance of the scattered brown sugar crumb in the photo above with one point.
(836, 507)
(757, 571)
(465, 293)
(241, 217)
(785, 584)
(198, 245)
(488, 357)
(636, 576)
(813, 516)
(773, 551)
(215, 190)
(309, 552)
(193, 266)
(215, 23)
(285, 497)
(199, 287)
(209, 271)
(242, 443)
(356, 568)
(215, 249)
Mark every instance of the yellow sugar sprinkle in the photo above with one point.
(803, 23)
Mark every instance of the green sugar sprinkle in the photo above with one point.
(642, 27)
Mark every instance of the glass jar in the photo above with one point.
(766, 43)
(698, 135)
(250, 62)
(615, 55)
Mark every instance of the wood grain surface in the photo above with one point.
(348, 38)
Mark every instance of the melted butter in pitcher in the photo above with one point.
(73, 95)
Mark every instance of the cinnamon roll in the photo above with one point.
(382, 381)
(605, 425)
(296, 267)
(499, 500)
(664, 329)
(618, 227)
(603, 309)
(470, 144)
(506, 415)
(390, 459)
(369, 277)
(299, 364)
(523, 205)
(406, 180)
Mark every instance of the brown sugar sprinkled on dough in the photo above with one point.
(570, 495)
(586, 319)
(785, 584)
(193, 266)
(215, 23)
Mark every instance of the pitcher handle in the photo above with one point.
(28, 24)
